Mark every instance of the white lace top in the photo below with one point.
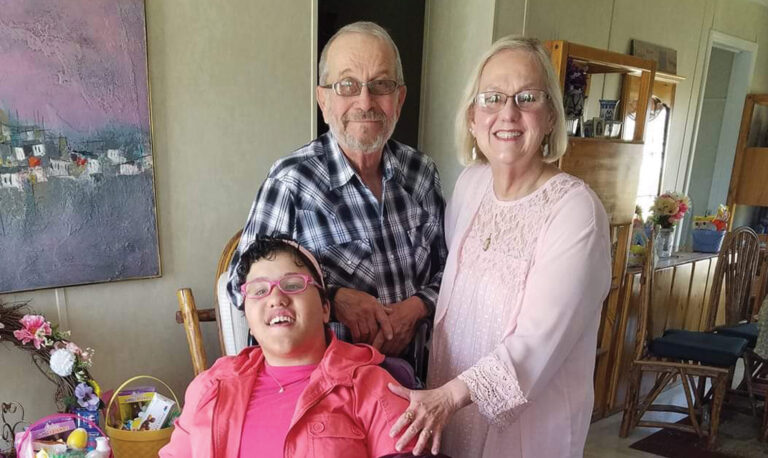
(483, 309)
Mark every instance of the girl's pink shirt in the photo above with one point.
(269, 413)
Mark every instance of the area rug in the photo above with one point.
(738, 437)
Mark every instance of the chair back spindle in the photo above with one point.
(646, 298)
(736, 265)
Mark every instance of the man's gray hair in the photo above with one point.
(366, 28)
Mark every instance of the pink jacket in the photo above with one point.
(345, 411)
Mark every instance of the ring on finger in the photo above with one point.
(409, 416)
(427, 432)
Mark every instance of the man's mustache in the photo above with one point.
(370, 115)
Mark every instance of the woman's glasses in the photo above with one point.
(527, 100)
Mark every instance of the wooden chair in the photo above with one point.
(221, 312)
(685, 354)
(736, 267)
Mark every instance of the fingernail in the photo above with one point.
(398, 447)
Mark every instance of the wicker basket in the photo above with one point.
(24, 447)
(137, 444)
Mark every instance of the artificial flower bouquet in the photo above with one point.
(669, 208)
(709, 230)
(68, 366)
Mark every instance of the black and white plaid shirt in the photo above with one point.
(393, 249)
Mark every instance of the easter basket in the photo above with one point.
(24, 445)
(137, 444)
(707, 241)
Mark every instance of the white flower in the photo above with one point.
(62, 362)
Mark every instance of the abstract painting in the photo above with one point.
(77, 198)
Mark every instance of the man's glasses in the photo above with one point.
(528, 100)
(288, 284)
(350, 87)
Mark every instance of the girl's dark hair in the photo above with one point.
(267, 247)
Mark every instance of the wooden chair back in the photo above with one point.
(646, 298)
(190, 316)
(736, 266)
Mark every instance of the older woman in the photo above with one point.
(513, 349)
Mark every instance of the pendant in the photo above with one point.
(487, 243)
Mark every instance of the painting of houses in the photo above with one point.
(77, 199)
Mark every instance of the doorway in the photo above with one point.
(728, 69)
(404, 20)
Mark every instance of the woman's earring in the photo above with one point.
(545, 146)
(474, 153)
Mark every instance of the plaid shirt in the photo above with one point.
(393, 249)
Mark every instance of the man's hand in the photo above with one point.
(362, 314)
(404, 316)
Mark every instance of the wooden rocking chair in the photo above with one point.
(685, 354)
(232, 333)
(736, 266)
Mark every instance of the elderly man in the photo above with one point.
(369, 207)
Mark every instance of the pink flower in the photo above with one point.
(35, 330)
(71, 346)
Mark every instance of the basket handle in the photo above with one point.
(53, 417)
(128, 382)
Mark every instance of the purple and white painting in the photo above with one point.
(77, 201)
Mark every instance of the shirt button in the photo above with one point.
(349, 261)
(317, 428)
(391, 257)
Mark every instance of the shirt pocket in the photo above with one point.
(335, 435)
(421, 237)
(350, 257)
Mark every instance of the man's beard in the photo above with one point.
(373, 145)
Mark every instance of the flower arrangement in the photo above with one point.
(55, 355)
(669, 208)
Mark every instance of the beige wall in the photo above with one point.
(231, 84)
(610, 24)
(456, 33)
(218, 126)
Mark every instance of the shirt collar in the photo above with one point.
(340, 171)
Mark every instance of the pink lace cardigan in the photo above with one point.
(539, 377)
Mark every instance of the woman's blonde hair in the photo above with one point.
(558, 138)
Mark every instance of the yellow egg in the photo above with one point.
(77, 439)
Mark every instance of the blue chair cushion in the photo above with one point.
(746, 331)
(706, 348)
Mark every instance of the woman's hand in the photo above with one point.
(428, 413)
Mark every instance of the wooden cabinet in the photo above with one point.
(750, 166)
(611, 167)
(748, 177)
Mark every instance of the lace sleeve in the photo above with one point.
(494, 388)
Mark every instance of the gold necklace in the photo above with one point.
(282, 387)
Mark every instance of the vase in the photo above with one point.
(664, 242)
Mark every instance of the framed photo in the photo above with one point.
(77, 192)
(665, 58)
